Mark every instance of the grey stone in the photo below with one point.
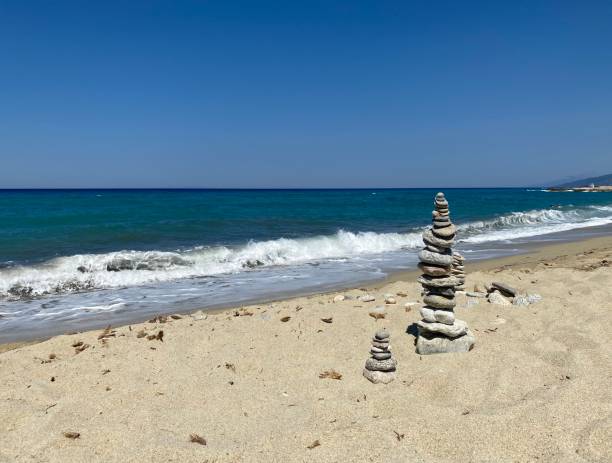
(497, 298)
(428, 314)
(432, 248)
(381, 365)
(379, 377)
(445, 232)
(433, 270)
(378, 350)
(505, 289)
(367, 298)
(476, 294)
(441, 345)
(444, 282)
(429, 238)
(445, 316)
(439, 302)
(448, 292)
(381, 334)
(382, 355)
(434, 258)
(380, 344)
(452, 331)
(437, 316)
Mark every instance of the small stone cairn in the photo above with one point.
(380, 367)
(458, 271)
(439, 331)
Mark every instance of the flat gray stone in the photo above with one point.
(458, 328)
(381, 365)
(382, 355)
(505, 289)
(445, 232)
(427, 314)
(367, 298)
(429, 238)
(380, 345)
(476, 294)
(379, 377)
(437, 316)
(432, 248)
(444, 345)
(377, 350)
(433, 270)
(434, 258)
(381, 334)
(448, 292)
(439, 302)
(445, 316)
(444, 282)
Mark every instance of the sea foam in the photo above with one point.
(129, 268)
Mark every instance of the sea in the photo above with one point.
(81, 259)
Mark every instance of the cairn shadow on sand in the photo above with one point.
(413, 330)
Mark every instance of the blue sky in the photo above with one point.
(303, 94)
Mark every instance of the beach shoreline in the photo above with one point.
(247, 380)
(530, 252)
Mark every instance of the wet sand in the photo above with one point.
(536, 387)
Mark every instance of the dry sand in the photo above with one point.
(536, 387)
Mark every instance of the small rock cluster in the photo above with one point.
(380, 367)
(458, 271)
(439, 331)
(502, 294)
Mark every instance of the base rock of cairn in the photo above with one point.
(380, 367)
(443, 272)
(458, 271)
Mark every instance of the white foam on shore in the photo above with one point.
(132, 268)
(124, 269)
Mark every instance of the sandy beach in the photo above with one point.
(244, 384)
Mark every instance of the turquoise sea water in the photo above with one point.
(82, 258)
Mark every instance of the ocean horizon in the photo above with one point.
(81, 258)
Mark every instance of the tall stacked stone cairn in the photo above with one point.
(439, 331)
(458, 271)
(380, 367)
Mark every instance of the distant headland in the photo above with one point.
(592, 184)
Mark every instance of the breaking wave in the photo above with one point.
(132, 268)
